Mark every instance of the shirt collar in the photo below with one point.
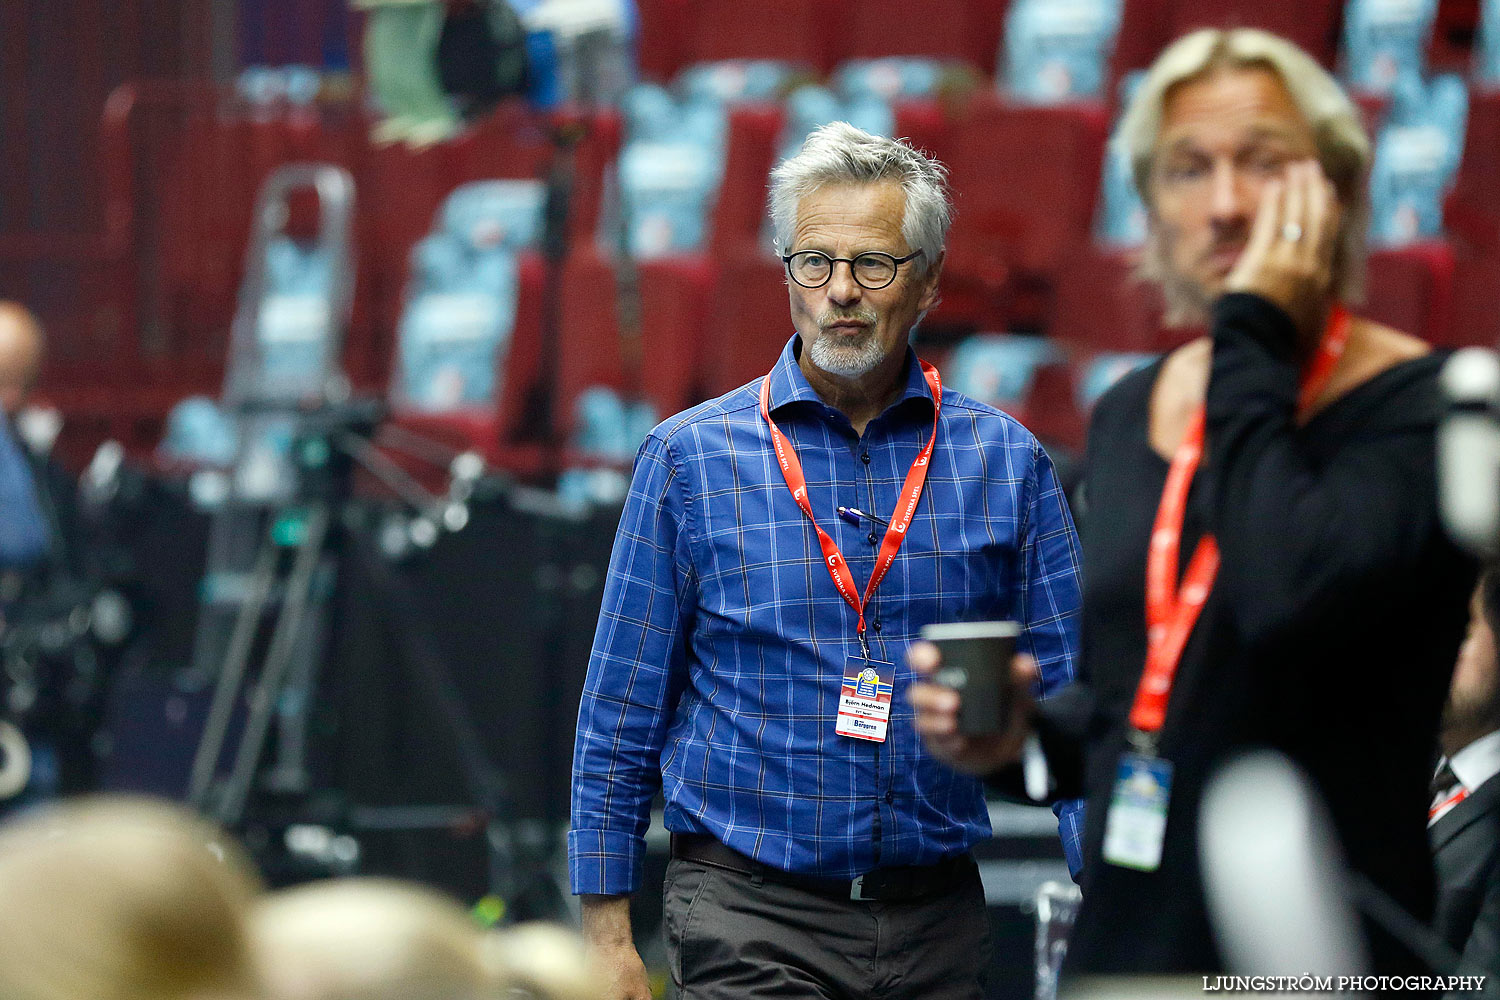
(789, 385)
(1478, 762)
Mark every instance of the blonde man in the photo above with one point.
(1263, 560)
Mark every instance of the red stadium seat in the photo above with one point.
(1024, 181)
(1471, 215)
(946, 29)
(674, 327)
(741, 208)
(500, 432)
(926, 125)
(601, 133)
(400, 194)
(1476, 289)
(987, 25)
(1453, 32)
(1145, 28)
(1312, 24)
(1411, 289)
(792, 31)
(1051, 411)
(1100, 306)
(659, 46)
(662, 363)
(749, 320)
(510, 142)
(589, 349)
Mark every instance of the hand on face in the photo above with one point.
(937, 715)
(1289, 257)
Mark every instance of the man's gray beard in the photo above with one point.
(848, 361)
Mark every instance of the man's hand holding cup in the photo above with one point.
(941, 717)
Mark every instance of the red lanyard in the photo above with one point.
(1171, 612)
(1447, 803)
(895, 533)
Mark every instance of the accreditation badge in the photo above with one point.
(1136, 824)
(865, 700)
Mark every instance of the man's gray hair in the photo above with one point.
(1343, 146)
(839, 153)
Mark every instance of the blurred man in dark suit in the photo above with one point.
(1464, 819)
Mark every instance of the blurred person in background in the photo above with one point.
(22, 347)
(433, 62)
(817, 849)
(123, 899)
(1263, 559)
(35, 494)
(1464, 816)
(46, 574)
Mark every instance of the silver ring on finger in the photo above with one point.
(1291, 232)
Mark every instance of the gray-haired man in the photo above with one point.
(780, 548)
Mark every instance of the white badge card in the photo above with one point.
(1137, 821)
(865, 700)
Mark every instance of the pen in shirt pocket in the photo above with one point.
(853, 515)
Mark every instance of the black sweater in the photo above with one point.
(1330, 633)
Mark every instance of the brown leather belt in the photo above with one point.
(881, 884)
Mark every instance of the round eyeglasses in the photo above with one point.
(872, 269)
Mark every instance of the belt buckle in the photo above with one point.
(857, 888)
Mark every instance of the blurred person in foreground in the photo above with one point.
(1285, 583)
(380, 939)
(818, 850)
(123, 899)
(1463, 821)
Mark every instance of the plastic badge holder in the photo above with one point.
(1055, 51)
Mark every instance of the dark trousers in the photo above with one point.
(729, 938)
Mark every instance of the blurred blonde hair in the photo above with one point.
(539, 961)
(122, 899)
(367, 939)
(1342, 143)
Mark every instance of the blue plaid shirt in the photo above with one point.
(722, 644)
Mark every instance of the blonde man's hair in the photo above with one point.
(1342, 143)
